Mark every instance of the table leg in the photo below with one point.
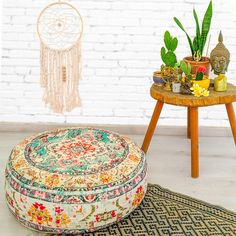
(232, 119)
(194, 142)
(189, 124)
(152, 125)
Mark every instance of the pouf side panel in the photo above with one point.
(61, 196)
(72, 218)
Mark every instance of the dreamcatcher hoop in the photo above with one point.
(60, 30)
(48, 7)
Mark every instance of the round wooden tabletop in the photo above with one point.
(214, 98)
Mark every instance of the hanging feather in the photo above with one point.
(60, 29)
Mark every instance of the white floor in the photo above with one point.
(169, 166)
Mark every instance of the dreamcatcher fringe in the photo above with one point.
(60, 75)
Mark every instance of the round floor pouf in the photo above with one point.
(74, 180)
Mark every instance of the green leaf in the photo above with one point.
(163, 53)
(190, 77)
(174, 44)
(188, 68)
(198, 33)
(206, 24)
(176, 66)
(183, 66)
(195, 44)
(189, 39)
(170, 58)
(167, 40)
(197, 39)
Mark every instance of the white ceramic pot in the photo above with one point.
(176, 87)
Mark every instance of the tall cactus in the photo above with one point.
(167, 54)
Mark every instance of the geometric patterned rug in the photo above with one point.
(163, 212)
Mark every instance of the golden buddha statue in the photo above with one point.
(220, 57)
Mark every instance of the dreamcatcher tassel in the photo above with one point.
(60, 75)
(60, 59)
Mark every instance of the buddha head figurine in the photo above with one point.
(220, 57)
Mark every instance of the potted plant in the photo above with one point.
(186, 81)
(202, 80)
(169, 71)
(176, 84)
(198, 43)
(186, 68)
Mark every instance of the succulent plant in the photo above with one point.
(167, 54)
(186, 68)
(169, 71)
(198, 43)
(200, 72)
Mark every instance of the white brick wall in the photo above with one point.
(121, 46)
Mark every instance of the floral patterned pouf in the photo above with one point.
(74, 180)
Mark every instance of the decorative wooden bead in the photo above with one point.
(64, 73)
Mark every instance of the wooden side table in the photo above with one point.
(192, 103)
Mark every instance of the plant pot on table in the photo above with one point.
(205, 61)
(176, 87)
(157, 78)
(204, 83)
(168, 82)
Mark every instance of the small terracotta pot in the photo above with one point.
(205, 61)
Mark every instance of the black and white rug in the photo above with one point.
(163, 212)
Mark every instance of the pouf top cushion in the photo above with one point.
(78, 161)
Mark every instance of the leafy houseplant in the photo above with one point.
(198, 43)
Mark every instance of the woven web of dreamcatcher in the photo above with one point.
(60, 26)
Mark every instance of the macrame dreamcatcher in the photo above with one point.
(60, 28)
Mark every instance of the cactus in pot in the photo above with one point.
(168, 56)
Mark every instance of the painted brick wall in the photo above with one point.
(121, 45)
